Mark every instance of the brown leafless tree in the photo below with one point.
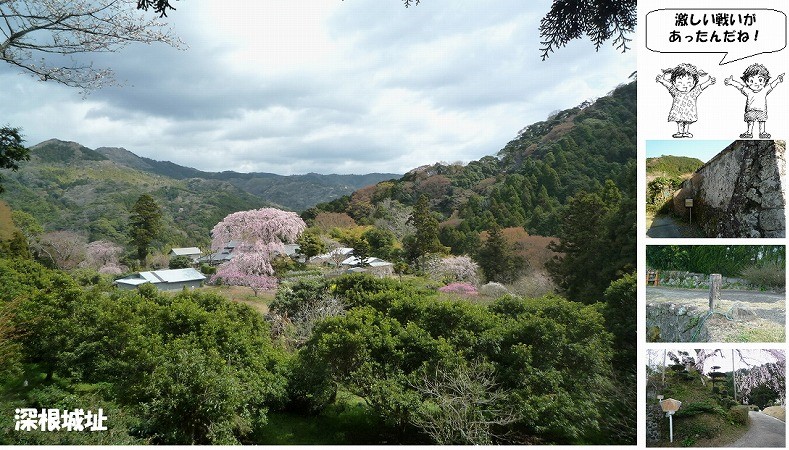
(463, 405)
(65, 249)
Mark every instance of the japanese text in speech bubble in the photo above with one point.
(739, 33)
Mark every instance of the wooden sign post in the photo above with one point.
(689, 205)
(716, 281)
(670, 406)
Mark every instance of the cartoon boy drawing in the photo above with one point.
(683, 84)
(755, 90)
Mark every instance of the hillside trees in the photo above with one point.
(145, 224)
(496, 259)
(425, 239)
(394, 338)
(597, 243)
(37, 33)
(260, 235)
(11, 150)
(191, 368)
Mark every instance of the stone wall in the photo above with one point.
(740, 192)
(669, 322)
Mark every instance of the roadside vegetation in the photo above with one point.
(713, 413)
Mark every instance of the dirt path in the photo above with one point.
(764, 431)
(764, 322)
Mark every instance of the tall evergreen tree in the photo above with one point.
(146, 218)
(597, 244)
(425, 239)
(495, 258)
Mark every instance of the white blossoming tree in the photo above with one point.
(260, 235)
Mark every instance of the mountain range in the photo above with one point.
(66, 185)
(527, 184)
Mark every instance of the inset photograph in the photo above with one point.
(716, 398)
(716, 189)
(716, 293)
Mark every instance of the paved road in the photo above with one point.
(764, 431)
(666, 226)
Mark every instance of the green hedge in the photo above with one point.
(739, 414)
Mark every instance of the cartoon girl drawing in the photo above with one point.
(683, 84)
(757, 86)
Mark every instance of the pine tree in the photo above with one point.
(425, 240)
(146, 220)
(495, 257)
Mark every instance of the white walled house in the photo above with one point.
(164, 280)
(192, 253)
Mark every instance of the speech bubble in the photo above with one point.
(738, 32)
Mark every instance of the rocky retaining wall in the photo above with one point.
(690, 280)
(669, 322)
(740, 192)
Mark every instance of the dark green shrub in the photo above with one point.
(694, 408)
(180, 262)
(767, 275)
(739, 414)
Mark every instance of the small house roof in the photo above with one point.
(291, 249)
(372, 262)
(337, 251)
(163, 276)
(132, 281)
(186, 251)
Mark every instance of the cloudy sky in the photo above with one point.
(324, 86)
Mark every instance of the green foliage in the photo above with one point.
(496, 260)
(145, 224)
(728, 260)
(197, 368)
(739, 414)
(311, 244)
(673, 166)
(180, 262)
(393, 334)
(694, 408)
(597, 243)
(770, 274)
(621, 306)
(660, 192)
(381, 242)
(763, 395)
(11, 150)
(425, 239)
(292, 296)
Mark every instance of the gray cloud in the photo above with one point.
(364, 85)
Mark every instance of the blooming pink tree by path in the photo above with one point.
(260, 235)
(752, 368)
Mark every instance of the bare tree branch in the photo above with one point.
(35, 31)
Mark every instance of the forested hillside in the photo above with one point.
(498, 303)
(66, 186)
(571, 176)
(531, 178)
(672, 166)
(295, 192)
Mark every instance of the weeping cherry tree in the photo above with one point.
(260, 235)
